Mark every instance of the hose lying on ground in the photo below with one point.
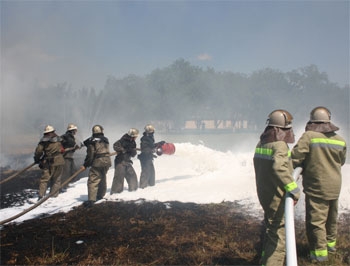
(42, 200)
(16, 174)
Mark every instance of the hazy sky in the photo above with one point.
(82, 42)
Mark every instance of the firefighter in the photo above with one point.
(99, 161)
(70, 145)
(126, 149)
(321, 153)
(148, 147)
(48, 154)
(273, 174)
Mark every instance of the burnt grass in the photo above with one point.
(142, 233)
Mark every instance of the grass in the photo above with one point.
(130, 233)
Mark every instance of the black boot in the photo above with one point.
(88, 203)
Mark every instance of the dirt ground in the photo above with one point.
(143, 233)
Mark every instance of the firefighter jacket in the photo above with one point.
(97, 149)
(125, 148)
(147, 147)
(321, 156)
(49, 151)
(68, 142)
(273, 173)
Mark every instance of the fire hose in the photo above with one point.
(45, 198)
(291, 252)
(26, 168)
(172, 150)
(16, 174)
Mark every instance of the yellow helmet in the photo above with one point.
(149, 128)
(72, 127)
(280, 118)
(97, 129)
(133, 132)
(320, 114)
(48, 129)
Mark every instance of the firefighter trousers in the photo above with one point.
(124, 170)
(147, 177)
(50, 176)
(321, 226)
(68, 170)
(97, 183)
(274, 251)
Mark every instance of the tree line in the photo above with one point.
(181, 92)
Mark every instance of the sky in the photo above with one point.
(195, 173)
(83, 42)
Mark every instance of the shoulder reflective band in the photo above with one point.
(291, 186)
(332, 143)
(263, 153)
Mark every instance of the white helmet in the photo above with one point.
(149, 129)
(320, 114)
(133, 132)
(97, 129)
(72, 127)
(280, 118)
(48, 129)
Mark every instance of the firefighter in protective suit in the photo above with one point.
(70, 144)
(273, 173)
(48, 154)
(148, 148)
(126, 149)
(321, 153)
(99, 161)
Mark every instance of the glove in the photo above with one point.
(295, 193)
(159, 144)
(36, 161)
(159, 151)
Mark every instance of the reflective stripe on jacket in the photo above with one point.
(321, 156)
(273, 171)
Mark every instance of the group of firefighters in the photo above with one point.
(320, 152)
(54, 154)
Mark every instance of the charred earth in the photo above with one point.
(141, 233)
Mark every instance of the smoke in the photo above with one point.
(45, 44)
